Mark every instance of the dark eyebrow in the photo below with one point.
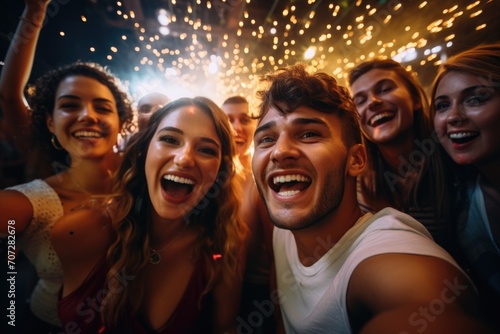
(75, 97)
(171, 128)
(297, 121)
(179, 131)
(264, 127)
(313, 120)
(468, 90)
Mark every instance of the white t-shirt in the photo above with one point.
(313, 299)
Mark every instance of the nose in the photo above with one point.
(236, 126)
(184, 157)
(88, 113)
(284, 149)
(456, 115)
(373, 101)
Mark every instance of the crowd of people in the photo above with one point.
(371, 208)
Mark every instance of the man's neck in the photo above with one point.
(316, 240)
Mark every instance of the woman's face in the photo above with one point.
(85, 118)
(385, 106)
(182, 162)
(467, 117)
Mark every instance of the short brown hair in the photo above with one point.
(235, 100)
(292, 87)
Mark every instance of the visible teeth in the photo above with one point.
(87, 134)
(460, 135)
(380, 116)
(178, 179)
(288, 193)
(290, 178)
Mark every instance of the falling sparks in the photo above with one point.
(194, 43)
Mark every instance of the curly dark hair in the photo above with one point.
(41, 99)
(292, 87)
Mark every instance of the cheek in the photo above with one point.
(256, 161)
(147, 169)
(362, 114)
(116, 123)
(440, 126)
(367, 131)
(210, 177)
(488, 119)
(213, 171)
(150, 160)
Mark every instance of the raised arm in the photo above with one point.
(417, 293)
(17, 69)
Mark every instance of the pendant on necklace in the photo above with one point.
(154, 258)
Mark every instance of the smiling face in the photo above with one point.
(85, 118)
(299, 165)
(182, 161)
(385, 106)
(243, 125)
(467, 118)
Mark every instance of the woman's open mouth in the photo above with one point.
(176, 186)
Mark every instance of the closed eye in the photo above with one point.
(386, 89)
(359, 100)
(69, 106)
(104, 109)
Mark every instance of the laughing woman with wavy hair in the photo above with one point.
(164, 255)
(404, 169)
(466, 113)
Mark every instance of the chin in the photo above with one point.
(242, 151)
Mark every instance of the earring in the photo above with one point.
(53, 141)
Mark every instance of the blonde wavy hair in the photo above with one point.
(221, 230)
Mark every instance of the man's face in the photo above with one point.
(148, 105)
(299, 165)
(243, 125)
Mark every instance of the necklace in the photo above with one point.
(80, 186)
(154, 254)
(154, 257)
